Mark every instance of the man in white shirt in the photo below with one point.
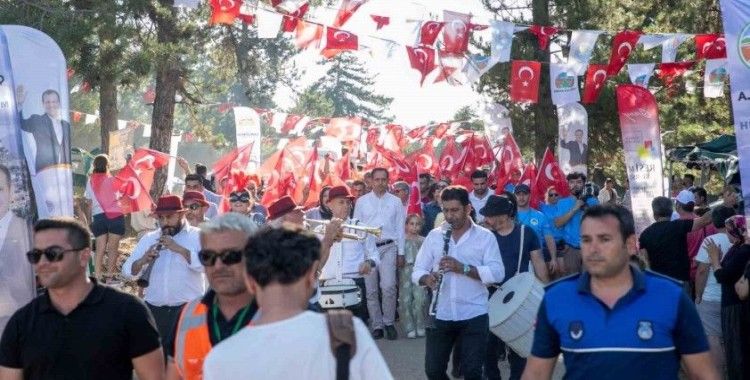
(351, 259)
(379, 208)
(285, 341)
(471, 262)
(177, 274)
(480, 194)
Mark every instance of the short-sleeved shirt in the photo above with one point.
(510, 247)
(552, 212)
(666, 245)
(97, 340)
(537, 221)
(712, 291)
(644, 334)
(572, 229)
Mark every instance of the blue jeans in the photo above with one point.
(473, 334)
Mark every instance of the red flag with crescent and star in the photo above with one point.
(338, 40)
(710, 46)
(401, 168)
(596, 78)
(543, 34)
(450, 157)
(623, 44)
(424, 157)
(668, 72)
(380, 21)
(133, 183)
(456, 32)
(524, 81)
(429, 32)
(224, 11)
(422, 59)
(347, 9)
(550, 174)
(290, 21)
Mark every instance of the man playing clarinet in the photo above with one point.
(469, 259)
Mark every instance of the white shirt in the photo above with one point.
(477, 203)
(712, 291)
(347, 255)
(96, 207)
(387, 212)
(173, 280)
(462, 297)
(295, 348)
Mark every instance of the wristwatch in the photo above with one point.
(371, 262)
(467, 269)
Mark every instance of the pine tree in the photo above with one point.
(349, 86)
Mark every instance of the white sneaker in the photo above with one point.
(411, 335)
(420, 332)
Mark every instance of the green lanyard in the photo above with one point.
(215, 312)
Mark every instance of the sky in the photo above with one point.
(412, 105)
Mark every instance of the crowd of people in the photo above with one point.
(236, 290)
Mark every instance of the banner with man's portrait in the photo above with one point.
(35, 153)
(573, 144)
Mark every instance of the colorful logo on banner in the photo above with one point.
(564, 81)
(642, 80)
(717, 76)
(743, 45)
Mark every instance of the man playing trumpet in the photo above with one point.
(177, 274)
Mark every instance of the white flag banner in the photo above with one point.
(582, 44)
(563, 84)
(497, 122)
(174, 143)
(476, 66)
(714, 78)
(502, 40)
(269, 23)
(247, 129)
(641, 73)
(378, 48)
(573, 147)
(670, 46)
(650, 41)
(191, 4)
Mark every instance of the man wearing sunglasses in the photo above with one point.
(78, 329)
(196, 206)
(226, 308)
(177, 274)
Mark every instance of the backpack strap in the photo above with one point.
(343, 342)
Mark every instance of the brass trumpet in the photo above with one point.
(374, 231)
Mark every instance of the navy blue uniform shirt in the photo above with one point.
(642, 336)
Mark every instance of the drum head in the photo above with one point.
(506, 300)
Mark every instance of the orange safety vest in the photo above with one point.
(192, 342)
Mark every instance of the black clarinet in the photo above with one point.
(441, 273)
(143, 281)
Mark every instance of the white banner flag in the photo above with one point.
(714, 78)
(563, 84)
(502, 40)
(573, 146)
(736, 15)
(669, 47)
(582, 44)
(641, 73)
(497, 122)
(269, 23)
(650, 41)
(247, 129)
(476, 66)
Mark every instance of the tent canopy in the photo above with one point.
(719, 154)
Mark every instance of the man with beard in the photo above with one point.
(613, 321)
(177, 273)
(78, 329)
(468, 257)
(479, 195)
(568, 218)
(227, 306)
(196, 206)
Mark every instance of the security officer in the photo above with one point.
(612, 320)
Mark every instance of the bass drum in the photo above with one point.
(339, 294)
(513, 309)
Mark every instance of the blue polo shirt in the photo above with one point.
(642, 336)
(538, 222)
(551, 212)
(572, 230)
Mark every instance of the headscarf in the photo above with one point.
(325, 212)
(736, 226)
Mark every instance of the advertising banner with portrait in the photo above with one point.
(573, 146)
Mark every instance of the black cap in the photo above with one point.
(497, 205)
(522, 188)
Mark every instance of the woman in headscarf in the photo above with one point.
(321, 212)
(735, 313)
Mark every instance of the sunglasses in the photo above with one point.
(53, 254)
(551, 195)
(194, 206)
(241, 197)
(229, 257)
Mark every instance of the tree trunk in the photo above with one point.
(168, 72)
(545, 128)
(107, 110)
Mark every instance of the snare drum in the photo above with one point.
(339, 294)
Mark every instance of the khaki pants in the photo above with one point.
(383, 278)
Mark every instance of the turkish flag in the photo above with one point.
(246, 13)
(710, 46)
(481, 149)
(238, 159)
(224, 11)
(448, 165)
(456, 32)
(344, 128)
(309, 182)
(668, 72)
(281, 181)
(509, 155)
(133, 183)
(380, 21)
(338, 40)
(596, 78)
(418, 132)
(348, 7)
(373, 136)
(550, 174)
(429, 32)
(415, 200)
(308, 35)
(290, 21)
(401, 168)
(441, 129)
(424, 158)
(394, 138)
(543, 34)
(422, 59)
(623, 44)
(344, 167)
(524, 81)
